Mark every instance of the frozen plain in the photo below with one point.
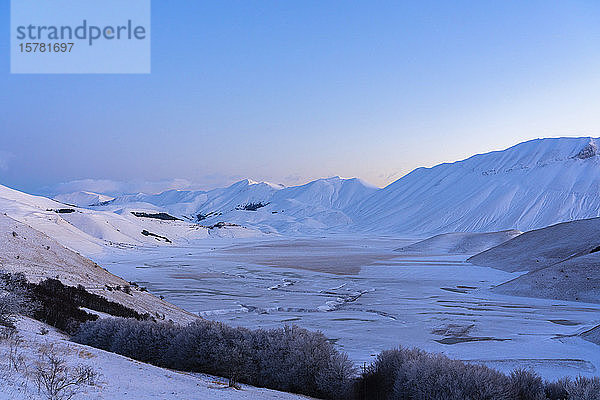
(367, 297)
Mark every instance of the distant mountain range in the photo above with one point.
(531, 185)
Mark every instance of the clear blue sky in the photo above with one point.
(289, 91)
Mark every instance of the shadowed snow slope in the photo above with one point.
(460, 242)
(528, 186)
(576, 279)
(118, 377)
(563, 261)
(23, 249)
(541, 248)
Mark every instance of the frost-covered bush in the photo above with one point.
(290, 359)
(14, 298)
(556, 391)
(582, 388)
(526, 385)
(58, 381)
(436, 377)
(379, 378)
(411, 374)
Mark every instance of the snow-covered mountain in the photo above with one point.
(315, 206)
(530, 185)
(82, 199)
(89, 231)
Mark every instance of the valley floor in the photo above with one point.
(367, 298)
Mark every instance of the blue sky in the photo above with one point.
(289, 91)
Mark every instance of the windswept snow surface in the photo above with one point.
(367, 297)
(528, 186)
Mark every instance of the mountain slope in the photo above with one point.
(544, 247)
(563, 261)
(575, 279)
(528, 186)
(91, 231)
(23, 249)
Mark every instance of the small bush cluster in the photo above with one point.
(59, 305)
(411, 374)
(14, 300)
(290, 359)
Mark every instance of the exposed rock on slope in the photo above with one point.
(460, 242)
(23, 249)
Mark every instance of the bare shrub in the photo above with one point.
(56, 380)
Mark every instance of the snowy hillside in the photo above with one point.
(460, 242)
(563, 261)
(318, 205)
(91, 231)
(25, 250)
(544, 247)
(528, 186)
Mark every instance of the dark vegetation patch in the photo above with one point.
(59, 305)
(221, 225)
(103, 203)
(61, 210)
(202, 217)
(158, 237)
(252, 206)
(161, 215)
